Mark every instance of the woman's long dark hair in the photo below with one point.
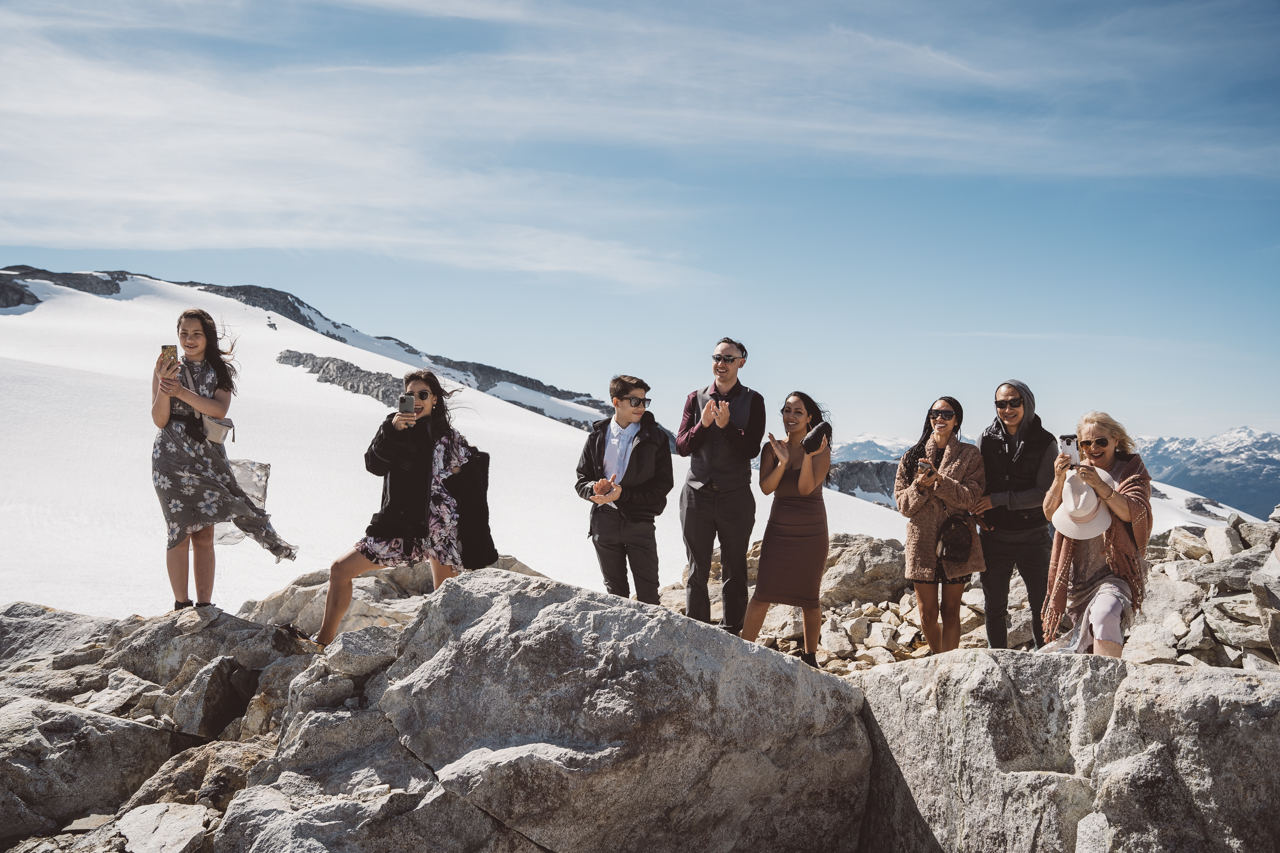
(817, 415)
(915, 454)
(440, 417)
(221, 361)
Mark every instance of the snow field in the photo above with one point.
(80, 524)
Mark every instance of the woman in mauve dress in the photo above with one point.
(793, 555)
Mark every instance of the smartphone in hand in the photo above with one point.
(927, 467)
(406, 404)
(1067, 444)
(169, 351)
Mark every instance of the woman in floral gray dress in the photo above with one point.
(192, 476)
(418, 520)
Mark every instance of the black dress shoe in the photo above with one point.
(810, 658)
(178, 605)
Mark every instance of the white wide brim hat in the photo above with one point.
(1082, 515)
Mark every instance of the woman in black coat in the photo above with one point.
(418, 521)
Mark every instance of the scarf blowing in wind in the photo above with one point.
(1124, 543)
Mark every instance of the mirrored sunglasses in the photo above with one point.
(726, 359)
(638, 402)
(1101, 442)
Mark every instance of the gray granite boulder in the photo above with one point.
(1001, 751)
(860, 568)
(1228, 575)
(30, 630)
(58, 762)
(572, 717)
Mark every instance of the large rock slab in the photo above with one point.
(208, 775)
(1181, 766)
(583, 721)
(1223, 542)
(860, 568)
(30, 630)
(1228, 575)
(158, 650)
(165, 828)
(1001, 751)
(58, 762)
(984, 750)
(343, 782)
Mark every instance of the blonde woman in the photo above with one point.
(1101, 510)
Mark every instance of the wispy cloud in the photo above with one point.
(107, 147)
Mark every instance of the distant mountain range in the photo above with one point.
(1240, 467)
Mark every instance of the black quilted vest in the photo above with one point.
(1015, 473)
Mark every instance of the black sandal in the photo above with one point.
(297, 633)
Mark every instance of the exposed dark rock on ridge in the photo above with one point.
(869, 477)
(382, 387)
(14, 293)
(99, 283)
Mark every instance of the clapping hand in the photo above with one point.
(780, 451)
(722, 413)
(606, 491)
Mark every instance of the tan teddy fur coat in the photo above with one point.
(960, 484)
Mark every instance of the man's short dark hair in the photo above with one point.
(622, 385)
(741, 348)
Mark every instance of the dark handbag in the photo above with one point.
(813, 440)
(955, 539)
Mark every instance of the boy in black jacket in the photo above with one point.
(625, 470)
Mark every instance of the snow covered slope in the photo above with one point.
(80, 525)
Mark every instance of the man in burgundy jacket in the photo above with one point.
(721, 432)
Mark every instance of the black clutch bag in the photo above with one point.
(813, 440)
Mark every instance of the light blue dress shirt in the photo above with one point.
(617, 450)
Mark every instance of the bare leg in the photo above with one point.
(812, 628)
(202, 547)
(756, 611)
(951, 593)
(343, 571)
(176, 563)
(1111, 650)
(440, 573)
(927, 595)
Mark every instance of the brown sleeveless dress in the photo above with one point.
(793, 555)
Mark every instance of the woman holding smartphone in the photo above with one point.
(940, 477)
(414, 452)
(191, 474)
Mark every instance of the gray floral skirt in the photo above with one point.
(198, 486)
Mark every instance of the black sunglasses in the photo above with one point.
(1101, 442)
(944, 414)
(638, 402)
(1004, 404)
(422, 395)
(727, 359)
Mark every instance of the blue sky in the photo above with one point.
(886, 201)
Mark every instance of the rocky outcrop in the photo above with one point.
(99, 283)
(382, 387)
(569, 717)
(992, 750)
(864, 479)
(58, 762)
(15, 293)
(384, 597)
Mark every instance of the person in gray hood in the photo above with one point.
(1018, 455)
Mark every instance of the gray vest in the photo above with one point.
(716, 462)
